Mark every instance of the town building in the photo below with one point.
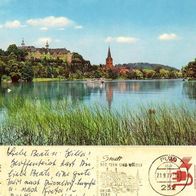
(52, 53)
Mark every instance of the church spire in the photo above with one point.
(109, 60)
(109, 53)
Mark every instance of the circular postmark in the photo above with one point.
(166, 176)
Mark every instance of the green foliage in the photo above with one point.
(97, 74)
(27, 72)
(135, 74)
(2, 52)
(13, 69)
(148, 73)
(39, 71)
(13, 49)
(2, 68)
(131, 75)
(16, 64)
(164, 73)
(190, 70)
(173, 74)
(59, 124)
(113, 74)
(20, 54)
(138, 74)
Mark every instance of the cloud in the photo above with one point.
(42, 41)
(44, 29)
(78, 27)
(128, 40)
(168, 37)
(43, 23)
(109, 39)
(12, 24)
(121, 40)
(50, 21)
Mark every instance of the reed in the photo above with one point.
(33, 122)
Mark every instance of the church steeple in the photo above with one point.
(109, 60)
(109, 53)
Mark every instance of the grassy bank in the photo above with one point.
(46, 79)
(40, 123)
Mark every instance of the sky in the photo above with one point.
(154, 31)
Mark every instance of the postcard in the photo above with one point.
(97, 97)
(97, 171)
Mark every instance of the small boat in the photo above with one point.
(102, 81)
(96, 81)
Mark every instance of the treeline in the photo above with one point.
(15, 66)
(133, 73)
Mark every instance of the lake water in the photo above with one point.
(112, 94)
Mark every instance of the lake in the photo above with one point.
(112, 94)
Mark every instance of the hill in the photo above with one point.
(146, 66)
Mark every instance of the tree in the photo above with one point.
(164, 73)
(16, 51)
(157, 70)
(97, 74)
(13, 69)
(27, 72)
(131, 74)
(113, 74)
(190, 70)
(149, 73)
(39, 71)
(173, 74)
(2, 69)
(138, 74)
(2, 52)
(49, 72)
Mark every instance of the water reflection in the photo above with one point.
(112, 92)
(109, 94)
(189, 89)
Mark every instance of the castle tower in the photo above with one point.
(23, 43)
(109, 60)
(47, 45)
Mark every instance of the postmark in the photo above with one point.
(119, 176)
(169, 175)
(119, 183)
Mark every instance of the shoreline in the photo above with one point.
(36, 80)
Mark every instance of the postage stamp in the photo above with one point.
(169, 175)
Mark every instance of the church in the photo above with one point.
(109, 64)
(109, 60)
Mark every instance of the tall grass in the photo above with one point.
(30, 122)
